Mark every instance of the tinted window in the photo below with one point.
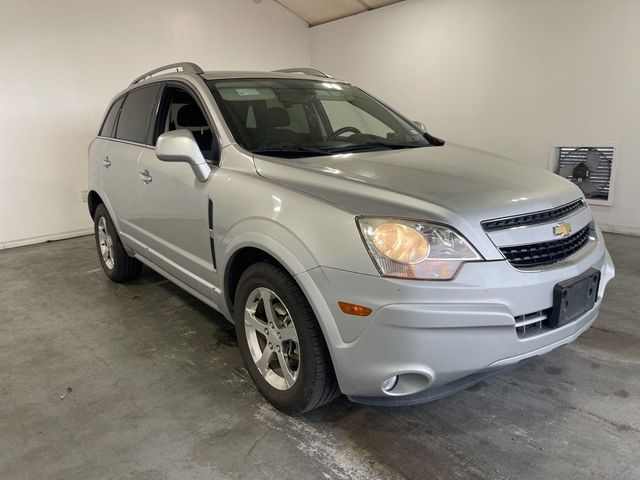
(110, 120)
(133, 124)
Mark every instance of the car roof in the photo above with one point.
(190, 68)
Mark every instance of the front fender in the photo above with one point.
(295, 257)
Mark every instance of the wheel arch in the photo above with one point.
(93, 201)
(252, 251)
(253, 246)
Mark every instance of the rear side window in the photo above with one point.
(133, 124)
(110, 120)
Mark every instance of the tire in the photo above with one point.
(307, 358)
(117, 264)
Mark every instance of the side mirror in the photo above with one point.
(420, 126)
(435, 141)
(180, 146)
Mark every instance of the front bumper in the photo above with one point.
(435, 333)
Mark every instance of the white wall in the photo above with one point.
(62, 61)
(509, 76)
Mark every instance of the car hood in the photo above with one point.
(433, 182)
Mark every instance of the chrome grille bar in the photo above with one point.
(535, 218)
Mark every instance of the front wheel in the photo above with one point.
(281, 342)
(116, 263)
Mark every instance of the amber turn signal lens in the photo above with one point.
(352, 309)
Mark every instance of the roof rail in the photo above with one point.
(186, 67)
(305, 71)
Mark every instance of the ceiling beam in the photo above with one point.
(317, 12)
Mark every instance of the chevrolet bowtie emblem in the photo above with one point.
(562, 229)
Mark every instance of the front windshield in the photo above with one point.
(297, 118)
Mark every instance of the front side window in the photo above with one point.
(180, 111)
(133, 123)
(302, 117)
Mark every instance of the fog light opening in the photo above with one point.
(407, 383)
(390, 383)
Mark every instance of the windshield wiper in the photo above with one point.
(293, 150)
(289, 150)
(373, 146)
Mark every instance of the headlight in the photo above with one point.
(415, 249)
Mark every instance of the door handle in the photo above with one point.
(145, 176)
(106, 162)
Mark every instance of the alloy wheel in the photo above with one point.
(272, 338)
(106, 243)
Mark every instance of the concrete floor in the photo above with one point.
(142, 381)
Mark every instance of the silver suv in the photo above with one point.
(354, 252)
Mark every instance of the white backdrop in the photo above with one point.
(508, 76)
(62, 61)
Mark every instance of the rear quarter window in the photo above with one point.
(135, 116)
(109, 123)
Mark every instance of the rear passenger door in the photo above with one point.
(130, 136)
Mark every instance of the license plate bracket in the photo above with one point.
(574, 297)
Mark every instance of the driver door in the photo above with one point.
(175, 210)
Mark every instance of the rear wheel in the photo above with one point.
(116, 263)
(281, 342)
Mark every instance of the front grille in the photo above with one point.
(544, 216)
(545, 253)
